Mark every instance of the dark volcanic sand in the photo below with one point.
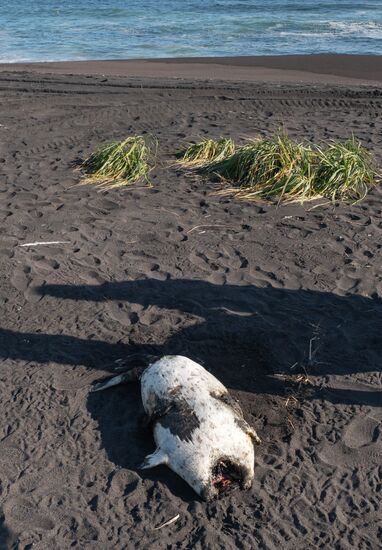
(323, 68)
(243, 288)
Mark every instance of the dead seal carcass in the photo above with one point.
(198, 427)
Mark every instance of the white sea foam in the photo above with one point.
(333, 29)
(367, 29)
(298, 34)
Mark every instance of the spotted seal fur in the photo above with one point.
(199, 429)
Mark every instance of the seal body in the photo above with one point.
(198, 427)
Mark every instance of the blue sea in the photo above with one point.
(53, 30)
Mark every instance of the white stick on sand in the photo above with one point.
(169, 522)
(38, 243)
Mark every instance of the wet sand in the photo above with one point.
(266, 298)
(320, 68)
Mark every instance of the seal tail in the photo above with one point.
(132, 375)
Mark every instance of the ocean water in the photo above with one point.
(53, 30)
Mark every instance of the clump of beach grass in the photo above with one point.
(286, 170)
(268, 169)
(206, 151)
(344, 171)
(119, 163)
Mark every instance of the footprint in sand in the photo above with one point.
(126, 314)
(73, 379)
(210, 260)
(11, 460)
(361, 444)
(11, 454)
(363, 431)
(44, 481)
(124, 483)
(21, 278)
(24, 514)
(25, 280)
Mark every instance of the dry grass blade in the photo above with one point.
(344, 171)
(119, 163)
(43, 243)
(206, 151)
(211, 226)
(167, 523)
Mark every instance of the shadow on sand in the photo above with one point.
(7, 539)
(245, 336)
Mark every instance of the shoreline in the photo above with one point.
(337, 69)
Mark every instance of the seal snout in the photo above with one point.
(226, 475)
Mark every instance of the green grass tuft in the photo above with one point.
(285, 170)
(206, 151)
(118, 163)
(268, 169)
(344, 171)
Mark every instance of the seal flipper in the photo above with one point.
(157, 458)
(132, 375)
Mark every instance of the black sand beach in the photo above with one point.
(282, 304)
(319, 68)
